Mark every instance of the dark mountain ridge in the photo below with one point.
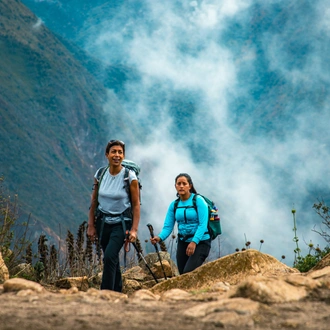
(53, 126)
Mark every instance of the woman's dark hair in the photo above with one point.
(188, 177)
(112, 143)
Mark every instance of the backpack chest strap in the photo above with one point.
(183, 207)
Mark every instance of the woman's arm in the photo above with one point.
(91, 231)
(135, 200)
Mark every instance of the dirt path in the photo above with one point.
(74, 311)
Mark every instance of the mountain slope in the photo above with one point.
(53, 127)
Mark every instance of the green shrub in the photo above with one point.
(304, 264)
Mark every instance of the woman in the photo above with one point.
(117, 209)
(194, 241)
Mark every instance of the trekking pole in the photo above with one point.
(141, 256)
(151, 229)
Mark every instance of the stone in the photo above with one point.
(130, 286)
(18, 284)
(269, 290)
(175, 294)
(81, 283)
(160, 268)
(153, 258)
(4, 274)
(236, 312)
(144, 295)
(135, 273)
(324, 262)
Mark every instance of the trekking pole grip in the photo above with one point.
(151, 229)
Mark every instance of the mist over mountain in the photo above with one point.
(233, 92)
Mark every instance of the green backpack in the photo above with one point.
(214, 225)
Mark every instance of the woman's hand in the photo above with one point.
(91, 232)
(154, 240)
(132, 235)
(191, 249)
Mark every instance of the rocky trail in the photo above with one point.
(262, 294)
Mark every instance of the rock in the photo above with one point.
(175, 294)
(72, 290)
(107, 295)
(301, 280)
(150, 283)
(25, 293)
(269, 290)
(262, 295)
(4, 274)
(322, 272)
(135, 278)
(136, 273)
(231, 269)
(152, 259)
(140, 277)
(130, 286)
(144, 295)
(95, 280)
(324, 262)
(322, 275)
(18, 284)
(225, 313)
(81, 283)
(160, 268)
(220, 286)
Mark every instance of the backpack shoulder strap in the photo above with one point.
(126, 179)
(126, 182)
(100, 173)
(176, 202)
(194, 202)
(126, 175)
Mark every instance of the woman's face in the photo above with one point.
(115, 155)
(182, 186)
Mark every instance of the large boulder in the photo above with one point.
(231, 269)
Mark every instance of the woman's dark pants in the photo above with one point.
(112, 241)
(187, 264)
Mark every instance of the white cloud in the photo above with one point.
(255, 179)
